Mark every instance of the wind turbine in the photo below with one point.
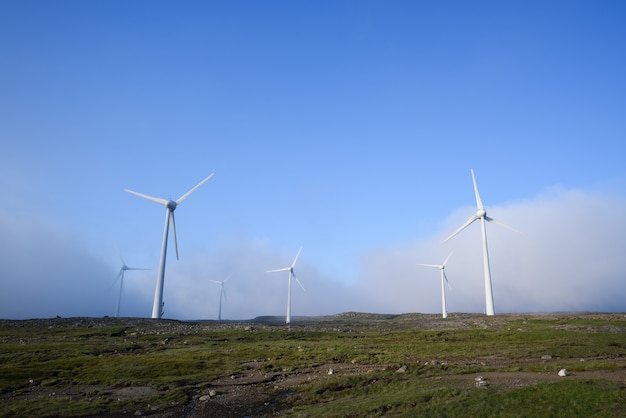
(170, 206)
(481, 214)
(120, 277)
(444, 278)
(222, 294)
(291, 274)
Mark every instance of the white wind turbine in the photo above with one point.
(222, 294)
(291, 274)
(482, 215)
(120, 277)
(170, 206)
(444, 278)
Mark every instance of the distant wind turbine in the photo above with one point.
(120, 277)
(291, 274)
(444, 278)
(482, 215)
(170, 206)
(222, 294)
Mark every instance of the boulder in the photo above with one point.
(402, 369)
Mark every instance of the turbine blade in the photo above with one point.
(465, 225)
(118, 276)
(216, 281)
(136, 268)
(277, 270)
(145, 196)
(173, 224)
(228, 278)
(428, 265)
(121, 258)
(186, 195)
(446, 279)
(488, 219)
(479, 203)
(296, 259)
(447, 258)
(294, 276)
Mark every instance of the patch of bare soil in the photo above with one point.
(252, 393)
(88, 392)
(255, 391)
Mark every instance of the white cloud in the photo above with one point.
(569, 259)
(46, 272)
(251, 291)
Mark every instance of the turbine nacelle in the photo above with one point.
(171, 205)
(481, 213)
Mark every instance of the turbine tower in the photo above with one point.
(222, 294)
(444, 278)
(482, 215)
(170, 206)
(291, 274)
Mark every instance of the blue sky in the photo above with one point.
(348, 128)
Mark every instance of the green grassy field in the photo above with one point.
(94, 367)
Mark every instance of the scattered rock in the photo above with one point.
(563, 372)
(204, 398)
(481, 382)
(331, 371)
(546, 357)
(402, 369)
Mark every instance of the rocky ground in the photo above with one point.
(255, 388)
(234, 396)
